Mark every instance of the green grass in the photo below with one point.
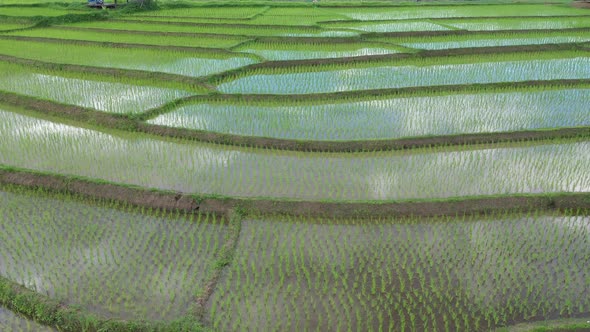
(103, 96)
(486, 40)
(197, 28)
(47, 146)
(388, 118)
(173, 62)
(208, 12)
(310, 50)
(5, 26)
(115, 261)
(413, 12)
(519, 23)
(401, 26)
(454, 274)
(32, 11)
(133, 38)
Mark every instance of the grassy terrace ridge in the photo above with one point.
(135, 123)
(224, 206)
(303, 128)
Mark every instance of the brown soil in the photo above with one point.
(225, 206)
(581, 4)
(123, 123)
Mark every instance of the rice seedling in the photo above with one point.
(5, 26)
(166, 61)
(116, 261)
(446, 274)
(32, 11)
(134, 38)
(414, 12)
(388, 118)
(241, 12)
(300, 81)
(294, 51)
(103, 96)
(10, 322)
(520, 23)
(42, 145)
(402, 26)
(486, 40)
(197, 28)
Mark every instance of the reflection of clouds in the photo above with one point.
(390, 118)
(295, 54)
(204, 168)
(104, 96)
(408, 76)
(495, 42)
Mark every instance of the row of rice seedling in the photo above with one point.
(166, 61)
(182, 27)
(296, 16)
(413, 12)
(10, 322)
(134, 38)
(103, 96)
(388, 118)
(311, 50)
(114, 260)
(393, 26)
(300, 81)
(47, 146)
(486, 39)
(446, 274)
(29, 11)
(519, 23)
(225, 12)
(10, 25)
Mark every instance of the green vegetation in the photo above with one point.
(427, 173)
(115, 261)
(32, 12)
(209, 28)
(520, 23)
(166, 61)
(409, 12)
(451, 274)
(12, 322)
(310, 50)
(294, 81)
(104, 96)
(388, 118)
(189, 166)
(134, 38)
(487, 40)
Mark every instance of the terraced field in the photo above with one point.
(294, 166)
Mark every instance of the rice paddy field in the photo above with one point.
(294, 166)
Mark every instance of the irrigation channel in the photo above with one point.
(278, 166)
